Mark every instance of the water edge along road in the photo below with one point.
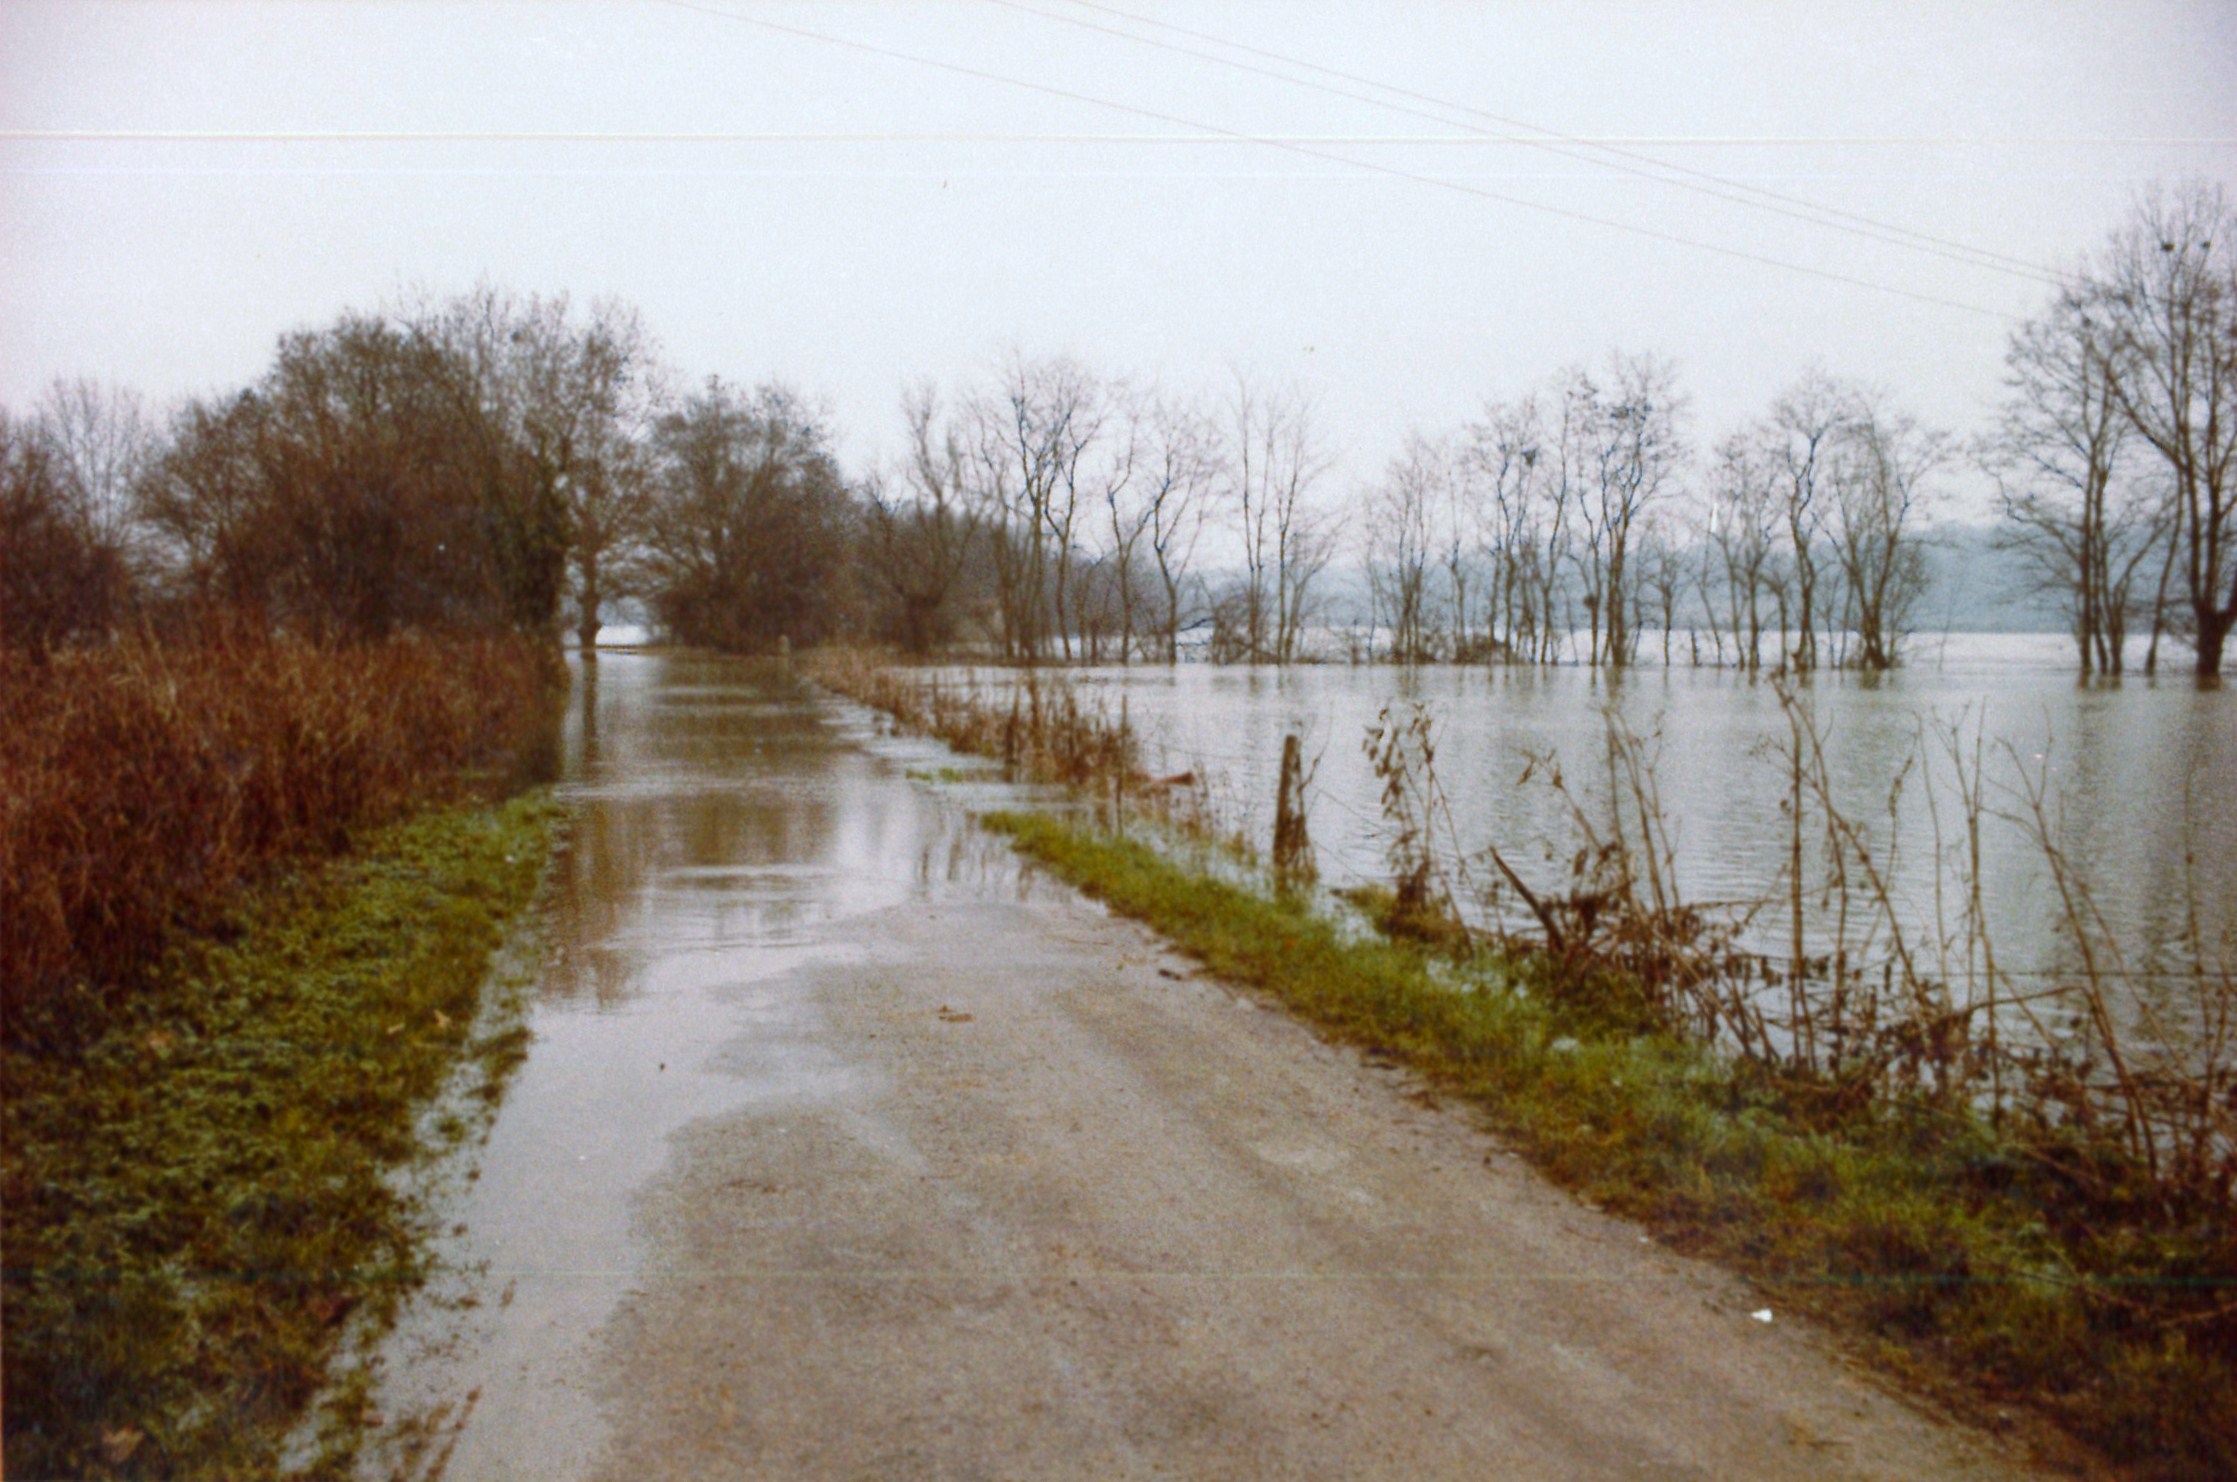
(849, 1146)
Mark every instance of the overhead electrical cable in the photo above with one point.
(919, 136)
(1272, 141)
(1626, 161)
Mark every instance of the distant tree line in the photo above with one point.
(1048, 513)
(1561, 525)
(1567, 523)
(497, 460)
(490, 461)
(1051, 513)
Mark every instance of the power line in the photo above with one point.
(1680, 177)
(1277, 142)
(1653, 165)
(977, 136)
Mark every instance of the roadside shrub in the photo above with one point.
(141, 783)
(62, 576)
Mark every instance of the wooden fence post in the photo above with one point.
(1293, 848)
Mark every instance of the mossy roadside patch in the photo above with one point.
(197, 1201)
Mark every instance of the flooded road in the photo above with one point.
(848, 1147)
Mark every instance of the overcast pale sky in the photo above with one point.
(851, 196)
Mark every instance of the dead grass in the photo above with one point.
(1035, 724)
(142, 784)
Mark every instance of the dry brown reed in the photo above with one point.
(1042, 730)
(1037, 726)
(141, 783)
(2090, 1065)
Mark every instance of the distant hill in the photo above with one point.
(1972, 586)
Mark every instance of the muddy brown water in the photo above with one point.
(848, 1147)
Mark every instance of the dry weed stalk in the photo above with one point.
(1039, 728)
(1859, 1006)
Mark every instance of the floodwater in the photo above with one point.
(732, 827)
(2141, 779)
(849, 1147)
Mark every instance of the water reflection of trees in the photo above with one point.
(668, 759)
(597, 879)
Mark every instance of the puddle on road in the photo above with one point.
(730, 822)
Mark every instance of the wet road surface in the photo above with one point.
(848, 1147)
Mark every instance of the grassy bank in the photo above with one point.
(1974, 1267)
(199, 1195)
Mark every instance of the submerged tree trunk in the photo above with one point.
(592, 596)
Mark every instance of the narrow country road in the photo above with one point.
(850, 1149)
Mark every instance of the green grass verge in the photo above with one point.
(196, 1202)
(952, 774)
(1967, 1267)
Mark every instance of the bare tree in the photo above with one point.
(1140, 482)
(1635, 453)
(1707, 560)
(474, 346)
(78, 555)
(2069, 499)
(1745, 514)
(2165, 291)
(1111, 476)
(1250, 500)
(1461, 524)
(103, 443)
(1879, 473)
(1031, 434)
(1309, 537)
(201, 496)
(594, 398)
(64, 575)
(576, 397)
(1057, 412)
(919, 543)
(1400, 517)
(1274, 462)
(751, 523)
(1505, 453)
(1662, 577)
(1576, 447)
(1180, 465)
(1798, 441)
(1012, 538)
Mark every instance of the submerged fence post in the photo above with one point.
(1293, 849)
(1123, 763)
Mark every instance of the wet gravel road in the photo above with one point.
(849, 1148)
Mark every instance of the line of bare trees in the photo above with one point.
(497, 459)
(1053, 514)
(1562, 526)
